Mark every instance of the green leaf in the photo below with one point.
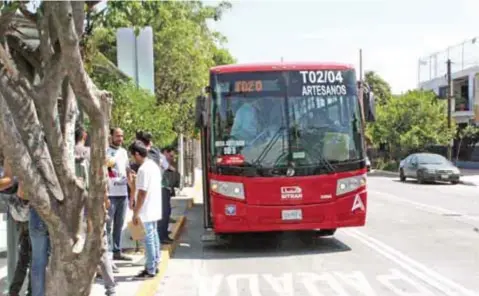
(411, 121)
(185, 48)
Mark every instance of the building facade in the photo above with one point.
(432, 75)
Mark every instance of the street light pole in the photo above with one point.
(449, 103)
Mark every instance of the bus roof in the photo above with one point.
(279, 66)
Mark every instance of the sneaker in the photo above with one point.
(167, 241)
(144, 274)
(121, 257)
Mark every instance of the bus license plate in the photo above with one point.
(445, 176)
(292, 215)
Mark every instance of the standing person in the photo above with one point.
(167, 182)
(19, 209)
(40, 241)
(147, 206)
(153, 152)
(17, 212)
(82, 167)
(118, 164)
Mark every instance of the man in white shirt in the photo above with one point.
(118, 164)
(147, 207)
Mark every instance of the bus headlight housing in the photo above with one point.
(229, 189)
(350, 184)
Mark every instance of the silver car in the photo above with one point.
(426, 167)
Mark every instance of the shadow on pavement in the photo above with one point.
(424, 184)
(250, 245)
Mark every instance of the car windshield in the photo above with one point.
(432, 159)
(272, 119)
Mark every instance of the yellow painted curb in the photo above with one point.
(149, 287)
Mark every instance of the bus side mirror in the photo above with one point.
(369, 108)
(200, 112)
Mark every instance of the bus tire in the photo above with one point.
(326, 232)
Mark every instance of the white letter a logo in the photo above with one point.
(357, 204)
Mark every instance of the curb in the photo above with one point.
(382, 173)
(467, 183)
(150, 287)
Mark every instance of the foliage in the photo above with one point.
(412, 121)
(134, 109)
(184, 47)
(468, 135)
(380, 88)
(387, 165)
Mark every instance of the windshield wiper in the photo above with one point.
(268, 147)
(326, 162)
(320, 156)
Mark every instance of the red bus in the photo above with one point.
(283, 148)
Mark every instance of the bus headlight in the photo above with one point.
(349, 184)
(229, 189)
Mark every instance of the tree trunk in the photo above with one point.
(458, 149)
(75, 273)
(35, 142)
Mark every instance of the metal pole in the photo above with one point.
(181, 168)
(361, 65)
(449, 104)
(419, 72)
(361, 100)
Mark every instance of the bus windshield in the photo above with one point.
(284, 118)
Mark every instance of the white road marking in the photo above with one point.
(427, 275)
(313, 283)
(357, 281)
(281, 285)
(310, 283)
(425, 207)
(253, 283)
(387, 280)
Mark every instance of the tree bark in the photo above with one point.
(35, 140)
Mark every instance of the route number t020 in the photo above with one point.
(323, 76)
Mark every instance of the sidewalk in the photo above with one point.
(127, 285)
(470, 177)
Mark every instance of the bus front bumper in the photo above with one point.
(230, 216)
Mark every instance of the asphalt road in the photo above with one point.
(419, 240)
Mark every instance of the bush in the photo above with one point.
(387, 165)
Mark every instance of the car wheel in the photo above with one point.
(420, 178)
(454, 182)
(401, 176)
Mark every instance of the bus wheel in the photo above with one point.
(224, 239)
(326, 232)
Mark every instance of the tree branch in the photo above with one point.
(27, 123)
(45, 33)
(78, 10)
(95, 103)
(5, 20)
(24, 166)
